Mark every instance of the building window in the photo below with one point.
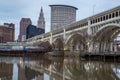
(91, 21)
(103, 18)
(98, 19)
(116, 14)
(109, 16)
(113, 15)
(106, 17)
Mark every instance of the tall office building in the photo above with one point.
(23, 25)
(62, 15)
(32, 31)
(7, 32)
(41, 20)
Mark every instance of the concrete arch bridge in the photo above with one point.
(94, 34)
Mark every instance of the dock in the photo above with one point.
(101, 56)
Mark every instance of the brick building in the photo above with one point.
(7, 32)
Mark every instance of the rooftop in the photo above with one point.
(63, 5)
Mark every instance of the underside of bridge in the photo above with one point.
(45, 45)
(58, 44)
(76, 42)
(104, 39)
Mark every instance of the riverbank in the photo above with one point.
(62, 54)
(115, 56)
(103, 57)
(109, 56)
(20, 53)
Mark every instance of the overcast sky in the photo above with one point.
(14, 10)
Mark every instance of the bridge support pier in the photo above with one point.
(51, 38)
(111, 46)
(115, 48)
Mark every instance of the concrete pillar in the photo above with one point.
(97, 47)
(81, 47)
(89, 28)
(72, 47)
(115, 48)
(95, 30)
(42, 38)
(91, 47)
(77, 47)
(94, 47)
(64, 34)
(93, 50)
(89, 33)
(111, 47)
(40, 77)
(104, 47)
(51, 36)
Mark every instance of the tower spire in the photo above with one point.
(41, 20)
(41, 13)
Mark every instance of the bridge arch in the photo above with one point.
(106, 26)
(104, 38)
(107, 30)
(76, 41)
(58, 44)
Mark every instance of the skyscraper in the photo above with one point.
(32, 31)
(41, 20)
(62, 15)
(23, 25)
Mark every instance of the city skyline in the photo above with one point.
(16, 9)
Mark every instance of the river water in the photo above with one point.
(56, 68)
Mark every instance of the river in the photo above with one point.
(56, 68)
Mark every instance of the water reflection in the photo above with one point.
(6, 71)
(56, 68)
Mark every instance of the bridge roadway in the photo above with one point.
(93, 34)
